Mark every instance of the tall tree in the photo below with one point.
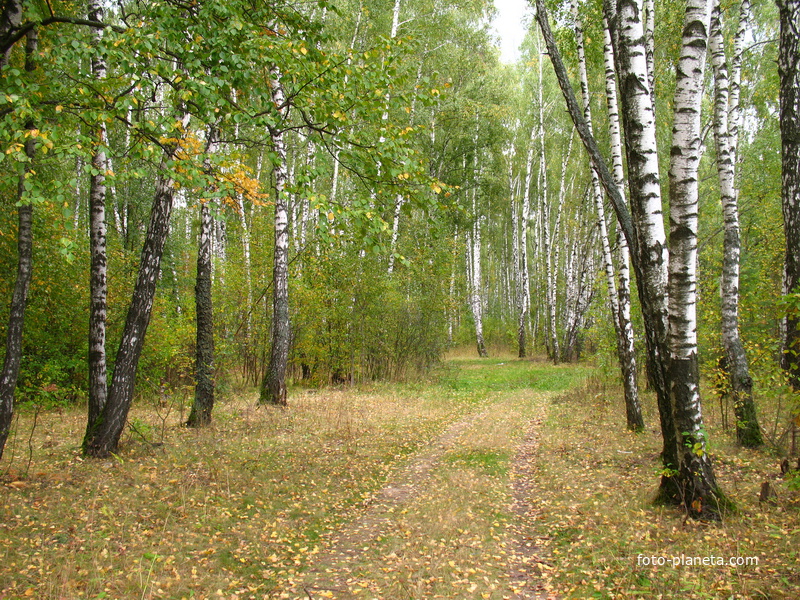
(98, 288)
(620, 316)
(19, 299)
(698, 486)
(273, 387)
(694, 488)
(789, 72)
(203, 404)
(627, 349)
(103, 435)
(748, 432)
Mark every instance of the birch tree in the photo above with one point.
(698, 487)
(620, 315)
(748, 432)
(627, 349)
(273, 386)
(671, 339)
(203, 404)
(98, 375)
(103, 434)
(789, 72)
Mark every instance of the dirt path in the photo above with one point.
(330, 574)
(337, 571)
(528, 565)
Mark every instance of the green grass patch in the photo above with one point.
(494, 463)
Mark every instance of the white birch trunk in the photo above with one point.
(696, 476)
(645, 199)
(622, 327)
(273, 387)
(748, 432)
(98, 376)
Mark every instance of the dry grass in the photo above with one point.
(237, 507)
(304, 502)
(598, 519)
(244, 508)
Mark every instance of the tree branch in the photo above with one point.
(598, 162)
(15, 35)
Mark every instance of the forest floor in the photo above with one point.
(496, 478)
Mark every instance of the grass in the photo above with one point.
(256, 505)
(238, 510)
(599, 524)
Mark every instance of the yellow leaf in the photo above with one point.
(303, 51)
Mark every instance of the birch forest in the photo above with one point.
(280, 199)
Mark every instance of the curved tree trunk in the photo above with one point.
(748, 433)
(103, 434)
(687, 477)
(19, 298)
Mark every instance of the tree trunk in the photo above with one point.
(19, 298)
(645, 194)
(789, 72)
(523, 247)
(627, 350)
(474, 268)
(518, 238)
(622, 327)
(10, 19)
(697, 485)
(103, 435)
(98, 289)
(204, 347)
(645, 233)
(203, 404)
(273, 386)
(748, 433)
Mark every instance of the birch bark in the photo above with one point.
(619, 316)
(203, 404)
(627, 349)
(697, 485)
(273, 386)
(789, 72)
(644, 182)
(476, 303)
(98, 289)
(523, 235)
(102, 436)
(748, 432)
(645, 234)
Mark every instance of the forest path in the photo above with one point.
(452, 522)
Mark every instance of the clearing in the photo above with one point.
(498, 478)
